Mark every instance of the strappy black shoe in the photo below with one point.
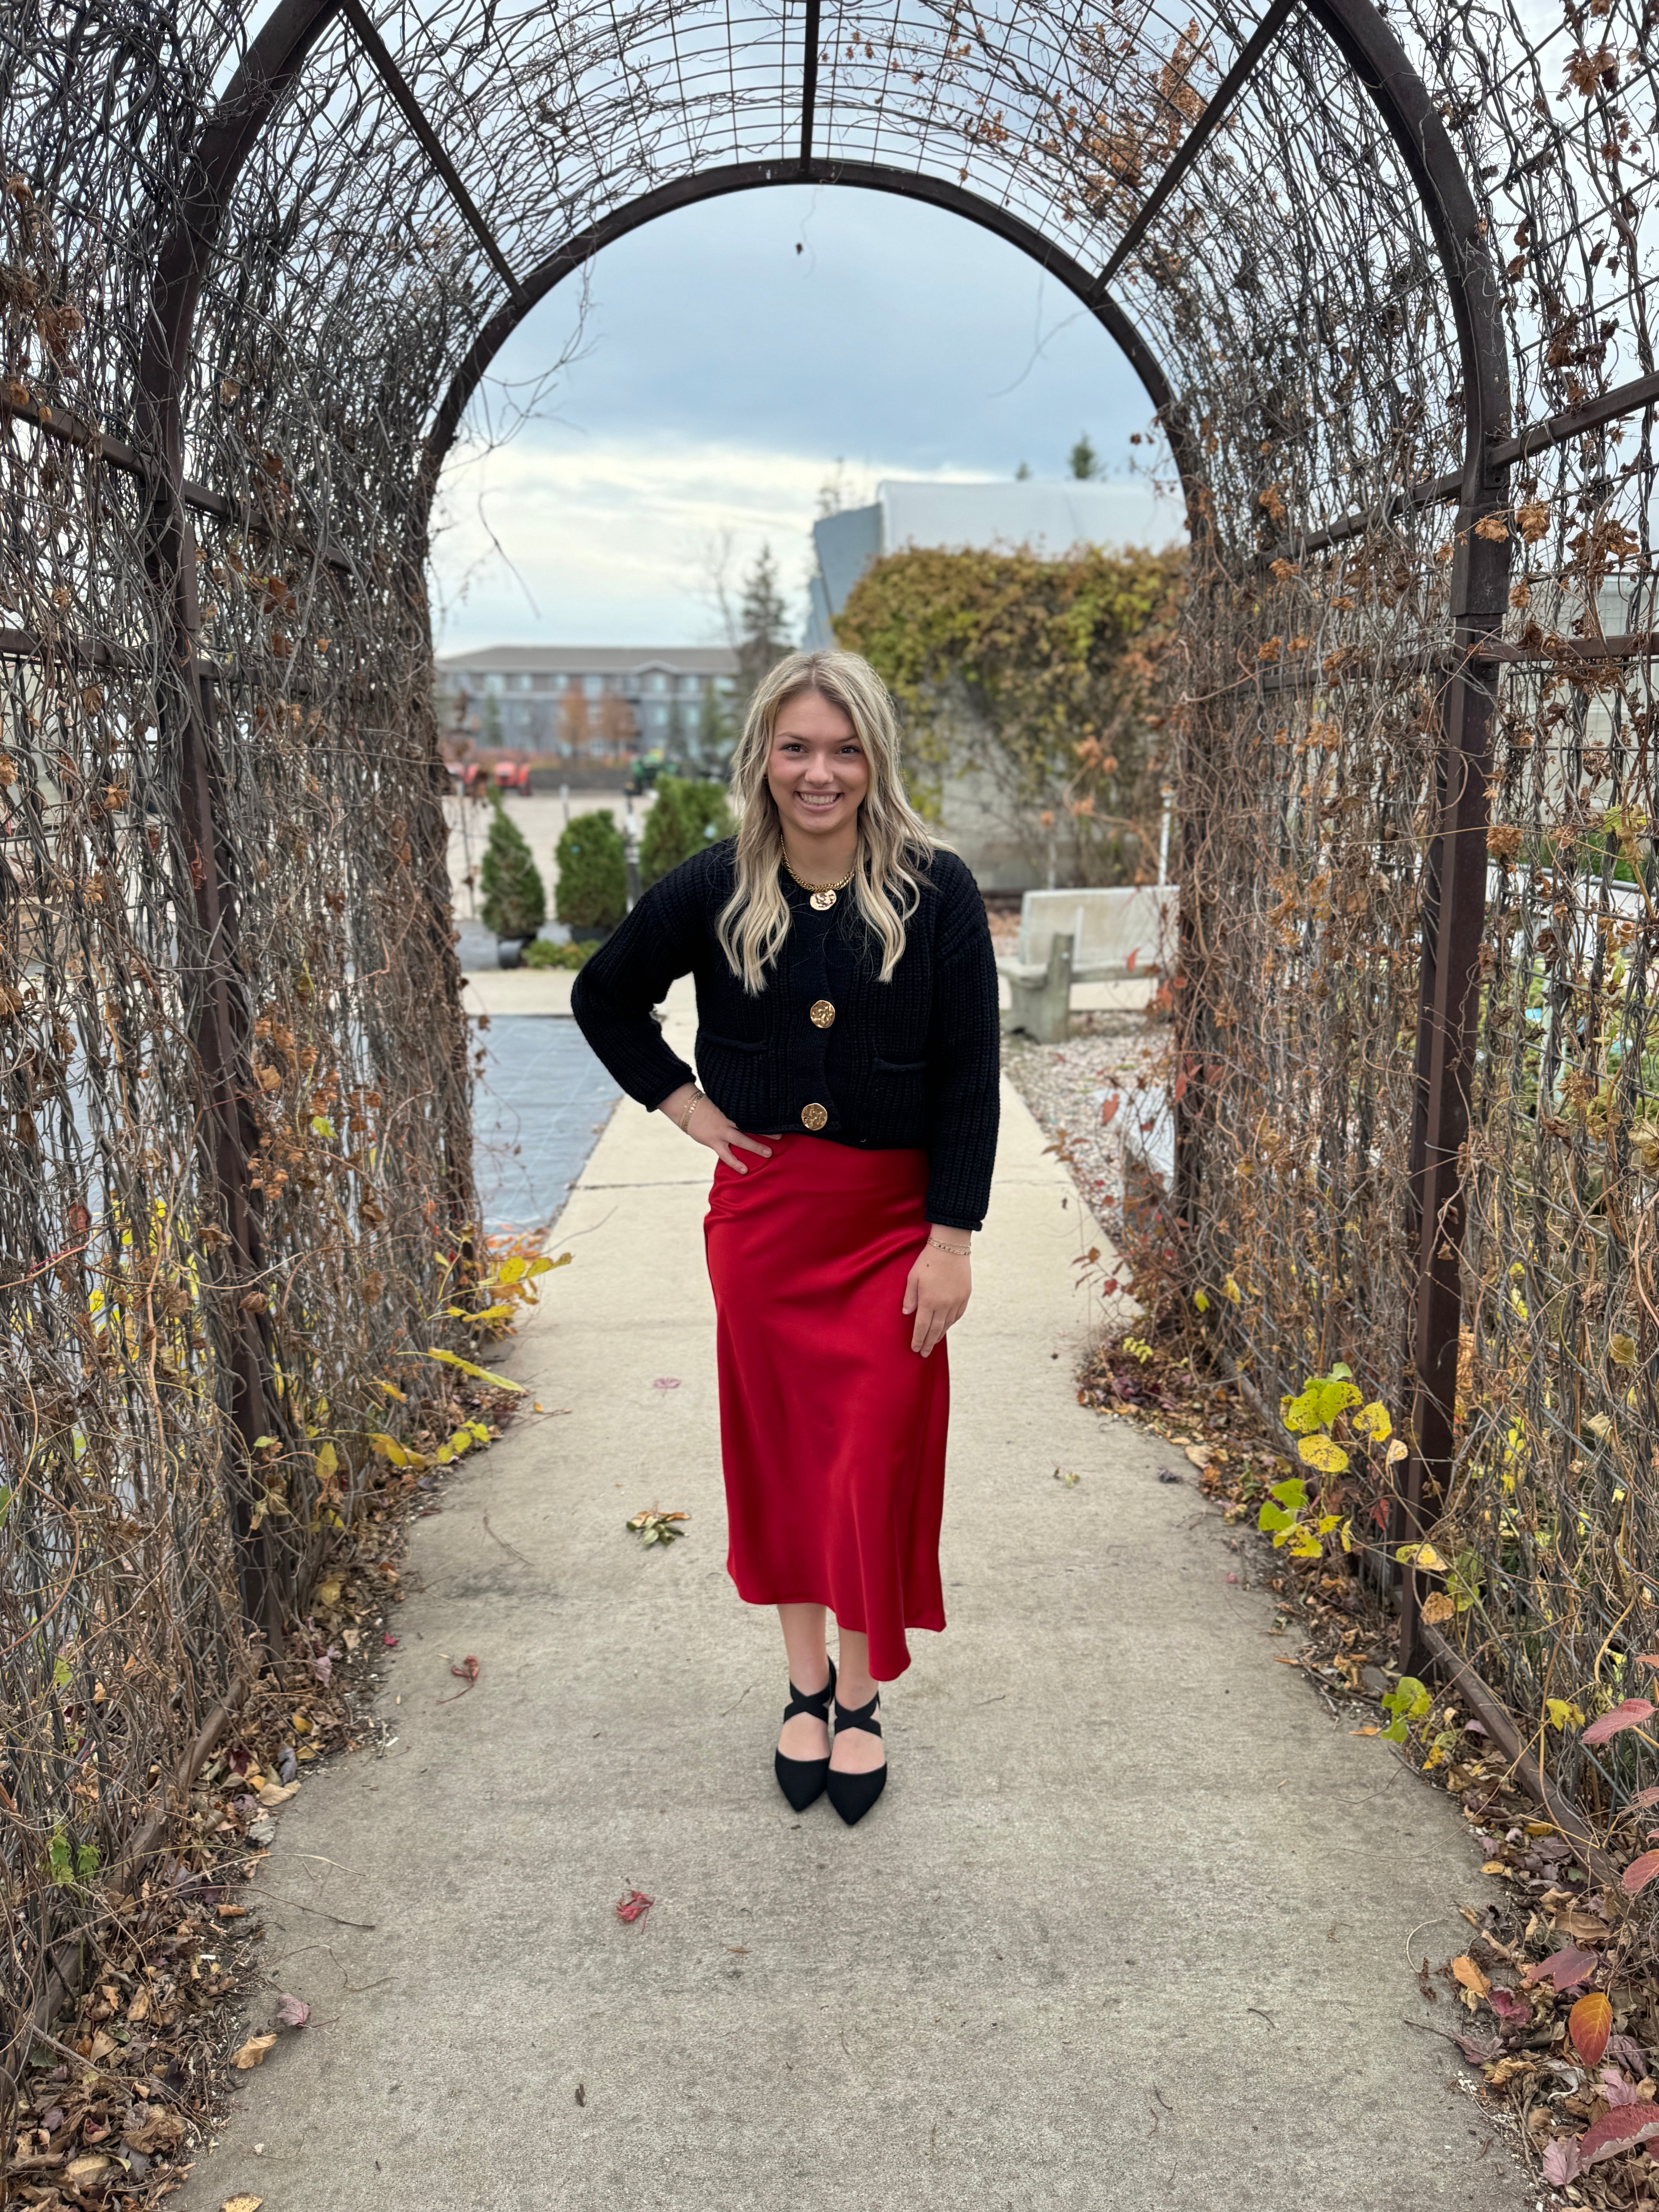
(852, 1795)
(802, 1780)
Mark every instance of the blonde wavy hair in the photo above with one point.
(894, 842)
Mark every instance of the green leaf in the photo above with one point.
(59, 1864)
(1270, 1518)
(1291, 1493)
(60, 1674)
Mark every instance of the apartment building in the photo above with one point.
(583, 701)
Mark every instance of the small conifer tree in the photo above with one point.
(514, 898)
(685, 816)
(593, 891)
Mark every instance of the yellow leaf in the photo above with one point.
(392, 1390)
(545, 1266)
(241, 2204)
(1320, 1452)
(1372, 1421)
(1600, 1426)
(1422, 1556)
(1564, 1713)
(460, 1440)
(1395, 1452)
(479, 1374)
(388, 1448)
(512, 1270)
(328, 1594)
(328, 1463)
(1233, 1290)
(1470, 1975)
(1201, 1302)
(1438, 1607)
(1622, 1350)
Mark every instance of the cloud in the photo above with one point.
(719, 373)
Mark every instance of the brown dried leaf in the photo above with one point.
(1465, 1971)
(252, 2052)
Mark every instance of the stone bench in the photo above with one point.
(1089, 936)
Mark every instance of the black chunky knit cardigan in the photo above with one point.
(913, 1062)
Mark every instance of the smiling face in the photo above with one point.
(817, 774)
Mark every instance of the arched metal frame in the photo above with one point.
(1454, 869)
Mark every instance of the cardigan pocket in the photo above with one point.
(731, 1044)
(900, 1067)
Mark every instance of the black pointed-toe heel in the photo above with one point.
(852, 1795)
(802, 1780)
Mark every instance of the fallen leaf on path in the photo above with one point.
(1617, 2130)
(1505, 2003)
(292, 2011)
(233, 1912)
(666, 1383)
(1108, 1109)
(1565, 1969)
(467, 1672)
(1200, 1455)
(160, 2134)
(1561, 2162)
(241, 2204)
(1590, 2024)
(1510, 2070)
(1617, 2090)
(634, 1905)
(388, 1639)
(652, 1527)
(1064, 1474)
(252, 2052)
(271, 1795)
(1465, 1971)
(83, 2169)
(1625, 2051)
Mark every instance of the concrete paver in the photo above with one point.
(1128, 1929)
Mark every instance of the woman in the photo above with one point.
(848, 1052)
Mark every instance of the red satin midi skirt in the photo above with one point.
(832, 1429)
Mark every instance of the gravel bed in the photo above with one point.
(1087, 1088)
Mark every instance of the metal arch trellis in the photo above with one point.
(247, 292)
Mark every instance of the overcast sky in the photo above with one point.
(722, 378)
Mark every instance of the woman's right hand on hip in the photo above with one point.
(708, 1126)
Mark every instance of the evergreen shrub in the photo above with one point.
(593, 889)
(514, 898)
(685, 815)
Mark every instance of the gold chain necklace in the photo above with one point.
(821, 896)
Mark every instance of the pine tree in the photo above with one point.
(1085, 463)
(514, 900)
(715, 735)
(762, 617)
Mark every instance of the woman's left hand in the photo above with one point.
(938, 1290)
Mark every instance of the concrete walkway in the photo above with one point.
(1129, 1928)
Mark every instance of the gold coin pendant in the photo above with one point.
(823, 901)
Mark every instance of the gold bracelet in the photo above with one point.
(961, 1251)
(691, 1105)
